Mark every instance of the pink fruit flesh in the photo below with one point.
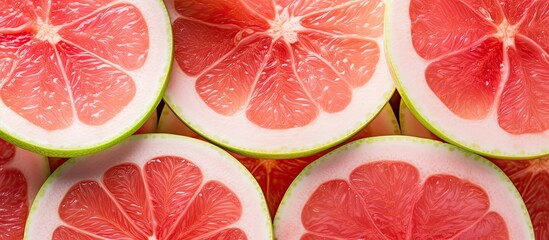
(72, 63)
(170, 190)
(387, 199)
(280, 68)
(471, 43)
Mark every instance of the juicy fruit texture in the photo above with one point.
(275, 176)
(21, 174)
(476, 65)
(75, 65)
(426, 190)
(151, 187)
(277, 67)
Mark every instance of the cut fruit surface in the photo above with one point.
(424, 190)
(151, 186)
(21, 175)
(270, 78)
(480, 66)
(530, 177)
(77, 77)
(274, 176)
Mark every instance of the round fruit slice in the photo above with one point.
(531, 177)
(275, 176)
(475, 72)
(151, 186)
(278, 79)
(21, 175)
(402, 188)
(78, 76)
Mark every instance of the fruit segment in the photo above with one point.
(362, 18)
(117, 34)
(467, 81)
(199, 46)
(278, 83)
(15, 205)
(524, 101)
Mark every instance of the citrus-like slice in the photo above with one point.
(78, 76)
(274, 176)
(475, 71)
(278, 79)
(398, 187)
(531, 177)
(21, 175)
(151, 186)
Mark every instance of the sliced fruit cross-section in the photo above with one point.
(475, 71)
(21, 175)
(151, 186)
(402, 188)
(278, 79)
(76, 76)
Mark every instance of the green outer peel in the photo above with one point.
(76, 152)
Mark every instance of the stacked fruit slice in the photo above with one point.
(475, 72)
(278, 79)
(79, 76)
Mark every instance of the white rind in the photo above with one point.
(240, 135)
(214, 163)
(428, 156)
(150, 81)
(483, 136)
